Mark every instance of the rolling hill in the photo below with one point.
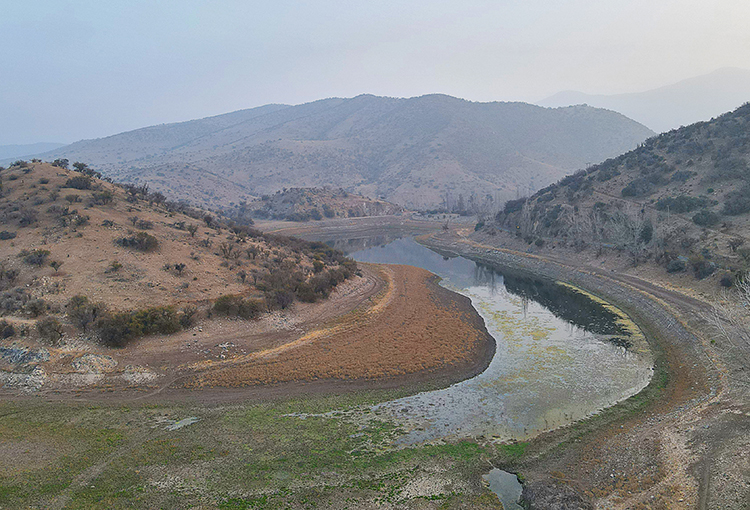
(419, 152)
(672, 106)
(681, 199)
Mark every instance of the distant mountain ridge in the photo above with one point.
(17, 151)
(671, 106)
(417, 152)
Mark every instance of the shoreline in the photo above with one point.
(581, 450)
(442, 368)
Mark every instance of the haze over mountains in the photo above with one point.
(671, 106)
(17, 151)
(414, 152)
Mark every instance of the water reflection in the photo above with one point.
(555, 360)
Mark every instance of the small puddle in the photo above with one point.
(506, 486)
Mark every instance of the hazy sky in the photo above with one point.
(86, 69)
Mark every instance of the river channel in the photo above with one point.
(561, 355)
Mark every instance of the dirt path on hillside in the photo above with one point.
(686, 449)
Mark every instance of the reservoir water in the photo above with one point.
(561, 354)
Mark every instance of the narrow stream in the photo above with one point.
(561, 355)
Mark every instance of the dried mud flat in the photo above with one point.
(412, 330)
(681, 443)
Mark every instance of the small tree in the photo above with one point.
(192, 229)
(50, 330)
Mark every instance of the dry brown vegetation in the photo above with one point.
(413, 326)
(68, 233)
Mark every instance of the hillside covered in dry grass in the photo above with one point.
(83, 255)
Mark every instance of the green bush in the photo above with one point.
(116, 330)
(5, 235)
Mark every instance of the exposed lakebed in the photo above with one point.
(561, 355)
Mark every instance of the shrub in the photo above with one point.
(737, 202)
(35, 258)
(83, 313)
(36, 307)
(726, 281)
(512, 206)
(682, 176)
(102, 198)
(27, 217)
(306, 293)
(5, 235)
(236, 306)
(113, 267)
(187, 317)
(50, 330)
(676, 266)
(681, 204)
(478, 226)
(78, 182)
(706, 218)
(640, 186)
(6, 329)
(13, 300)
(61, 163)
(539, 242)
(116, 330)
(144, 225)
(159, 319)
(702, 268)
(280, 297)
(140, 241)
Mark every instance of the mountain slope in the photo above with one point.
(416, 152)
(681, 199)
(672, 106)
